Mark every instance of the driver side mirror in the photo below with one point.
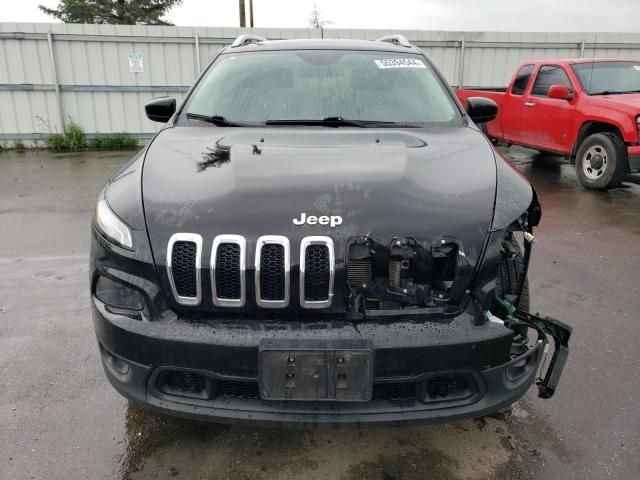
(160, 109)
(561, 92)
(481, 109)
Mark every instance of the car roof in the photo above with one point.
(571, 61)
(324, 44)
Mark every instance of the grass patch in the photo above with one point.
(72, 139)
(75, 136)
(57, 141)
(113, 141)
(19, 145)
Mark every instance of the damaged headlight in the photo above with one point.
(110, 225)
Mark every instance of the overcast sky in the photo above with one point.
(481, 15)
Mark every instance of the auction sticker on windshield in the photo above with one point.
(400, 63)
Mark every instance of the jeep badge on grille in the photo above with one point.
(333, 220)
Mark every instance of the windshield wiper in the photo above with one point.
(217, 120)
(336, 122)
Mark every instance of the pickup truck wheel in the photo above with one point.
(510, 274)
(601, 161)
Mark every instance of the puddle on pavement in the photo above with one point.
(509, 445)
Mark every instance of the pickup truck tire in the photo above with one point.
(601, 161)
(510, 274)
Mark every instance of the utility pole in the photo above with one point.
(243, 22)
(251, 13)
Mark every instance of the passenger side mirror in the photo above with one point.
(560, 92)
(481, 110)
(160, 109)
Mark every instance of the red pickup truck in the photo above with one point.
(586, 109)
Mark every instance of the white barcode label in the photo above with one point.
(400, 63)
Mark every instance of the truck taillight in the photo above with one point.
(638, 126)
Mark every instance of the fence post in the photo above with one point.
(582, 49)
(56, 85)
(461, 66)
(197, 46)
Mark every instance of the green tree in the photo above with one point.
(122, 12)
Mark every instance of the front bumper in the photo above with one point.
(409, 358)
(633, 153)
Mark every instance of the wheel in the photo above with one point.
(510, 274)
(601, 161)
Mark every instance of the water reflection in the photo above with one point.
(148, 431)
(160, 446)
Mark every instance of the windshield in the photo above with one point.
(598, 78)
(258, 87)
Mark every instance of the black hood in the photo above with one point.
(384, 183)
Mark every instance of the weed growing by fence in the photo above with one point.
(113, 141)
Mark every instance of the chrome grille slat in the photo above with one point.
(183, 264)
(317, 268)
(272, 271)
(228, 265)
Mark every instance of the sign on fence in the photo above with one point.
(135, 63)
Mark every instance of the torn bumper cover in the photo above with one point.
(420, 372)
(560, 333)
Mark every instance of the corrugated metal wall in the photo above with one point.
(97, 90)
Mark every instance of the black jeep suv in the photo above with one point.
(320, 235)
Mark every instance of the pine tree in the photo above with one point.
(121, 12)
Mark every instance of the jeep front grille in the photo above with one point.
(184, 254)
(272, 271)
(228, 271)
(316, 272)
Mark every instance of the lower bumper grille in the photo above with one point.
(184, 383)
(436, 389)
(394, 391)
(446, 386)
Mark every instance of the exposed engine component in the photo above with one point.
(402, 273)
(360, 269)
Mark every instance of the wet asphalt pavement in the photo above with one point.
(59, 417)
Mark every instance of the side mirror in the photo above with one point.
(560, 92)
(481, 109)
(160, 109)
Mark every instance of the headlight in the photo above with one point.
(110, 225)
(118, 295)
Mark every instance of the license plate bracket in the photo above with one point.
(324, 370)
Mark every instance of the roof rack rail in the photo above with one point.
(247, 39)
(396, 39)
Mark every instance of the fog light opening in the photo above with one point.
(115, 363)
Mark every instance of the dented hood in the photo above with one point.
(383, 183)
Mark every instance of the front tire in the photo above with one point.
(601, 161)
(510, 276)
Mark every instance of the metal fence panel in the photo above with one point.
(98, 90)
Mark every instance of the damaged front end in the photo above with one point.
(405, 276)
(504, 298)
(410, 278)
